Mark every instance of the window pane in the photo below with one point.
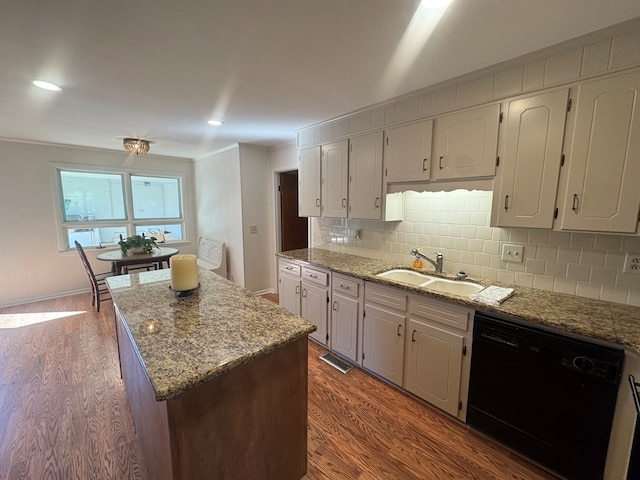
(155, 197)
(94, 237)
(92, 196)
(161, 232)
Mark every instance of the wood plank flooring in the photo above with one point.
(64, 412)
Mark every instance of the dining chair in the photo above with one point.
(97, 281)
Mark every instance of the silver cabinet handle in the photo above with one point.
(574, 205)
(346, 287)
(344, 203)
(317, 202)
(440, 163)
(424, 164)
(413, 336)
(335, 306)
(506, 202)
(377, 202)
(398, 330)
(297, 290)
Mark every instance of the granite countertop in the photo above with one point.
(607, 321)
(183, 342)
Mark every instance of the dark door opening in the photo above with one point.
(294, 230)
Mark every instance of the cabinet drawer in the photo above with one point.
(441, 312)
(345, 285)
(315, 276)
(289, 268)
(389, 296)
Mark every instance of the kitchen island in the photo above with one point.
(217, 381)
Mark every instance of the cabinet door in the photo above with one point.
(533, 131)
(314, 306)
(407, 152)
(604, 161)
(434, 365)
(344, 325)
(289, 294)
(309, 182)
(365, 176)
(466, 144)
(335, 172)
(383, 343)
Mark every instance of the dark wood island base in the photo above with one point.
(216, 381)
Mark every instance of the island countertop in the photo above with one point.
(183, 342)
(611, 322)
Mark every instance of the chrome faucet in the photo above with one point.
(437, 263)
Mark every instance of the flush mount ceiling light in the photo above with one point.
(215, 123)
(135, 145)
(46, 85)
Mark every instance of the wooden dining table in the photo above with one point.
(120, 261)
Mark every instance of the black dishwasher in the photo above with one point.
(549, 396)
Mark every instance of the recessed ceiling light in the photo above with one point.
(47, 85)
(215, 123)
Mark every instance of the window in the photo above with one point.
(99, 207)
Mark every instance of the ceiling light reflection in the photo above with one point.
(47, 85)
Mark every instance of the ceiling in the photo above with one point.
(159, 69)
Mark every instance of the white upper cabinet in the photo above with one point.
(309, 182)
(530, 164)
(465, 144)
(602, 192)
(335, 171)
(407, 152)
(365, 176)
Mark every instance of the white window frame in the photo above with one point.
(129, 223)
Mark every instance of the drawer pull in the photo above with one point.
(346, 287)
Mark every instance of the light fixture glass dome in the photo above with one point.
(135, 145)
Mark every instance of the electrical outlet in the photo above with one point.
(253, 229)
(512, 253)
(632, 263)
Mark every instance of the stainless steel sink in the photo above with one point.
(406, 276)
(434, 284)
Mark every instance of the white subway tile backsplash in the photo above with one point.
(569, 255)
(565, 286)
(582, 240)
(457, 224)
(588, 290)
(538, 236)
(595, 259)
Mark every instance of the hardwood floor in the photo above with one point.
(64, 412)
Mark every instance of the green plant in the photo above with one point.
(147, 244)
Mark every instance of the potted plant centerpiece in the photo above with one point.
(137, 244)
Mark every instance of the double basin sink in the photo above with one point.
(434, 284)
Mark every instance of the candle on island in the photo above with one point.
(184, 272)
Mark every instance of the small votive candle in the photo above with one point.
(184, 272)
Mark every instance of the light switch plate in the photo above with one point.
(632, 263)
(512, 253)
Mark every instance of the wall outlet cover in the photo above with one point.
(632, 263)
(512, 253)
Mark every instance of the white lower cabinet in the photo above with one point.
(346, 315)
(304, 291)
(383, 331)
(289, 286)
(436, 361)
(313, 307)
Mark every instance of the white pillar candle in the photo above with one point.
(184, 272)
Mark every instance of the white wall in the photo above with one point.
(218, 197)
(31, 265)
(457, 224)
(232, 194)
(256, 212)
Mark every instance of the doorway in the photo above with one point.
(294, 230)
